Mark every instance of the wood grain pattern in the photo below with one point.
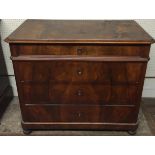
(81, 31)
(99, 83)
(75, 71)
(80, 74)
(80, 49)
(65, 113)
(88, 94)
(82, 58)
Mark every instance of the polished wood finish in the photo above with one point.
(80, 74)
(79, 31)
(76, 114)
(80, 49)
(88, 58)
(75, 71)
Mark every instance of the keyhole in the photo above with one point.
(79, 114)
(79, 51)
(79, 72)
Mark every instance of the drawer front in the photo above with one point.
(100, 94)
(93, 94)
(83, 72)
(94, 50)
(115, 114)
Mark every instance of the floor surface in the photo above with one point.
(10, 125)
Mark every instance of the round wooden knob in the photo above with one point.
(79, 72)
(79, 93)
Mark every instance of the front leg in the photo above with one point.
(26, 131)
(132, 132)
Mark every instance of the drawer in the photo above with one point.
(57, 113)
(83, 72)
(84, 94)
(80, 49)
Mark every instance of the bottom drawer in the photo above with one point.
(72, 113)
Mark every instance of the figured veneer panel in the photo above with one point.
(36, 72)
(71, 49)
(34, 93)
(65, 113)
(73, 71)
(78, 94)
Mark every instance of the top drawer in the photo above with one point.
(81, 49)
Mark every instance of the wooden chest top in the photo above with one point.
(80, 31)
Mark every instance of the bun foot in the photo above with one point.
(26, 132)
(132, 132)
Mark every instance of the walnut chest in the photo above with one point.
(80, 74)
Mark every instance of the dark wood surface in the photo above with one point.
(77, 71)
(82, 31)
(80, 84)
(80, 49)
(80, 114)
(82, 58)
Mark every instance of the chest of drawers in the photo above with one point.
(84, 75)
